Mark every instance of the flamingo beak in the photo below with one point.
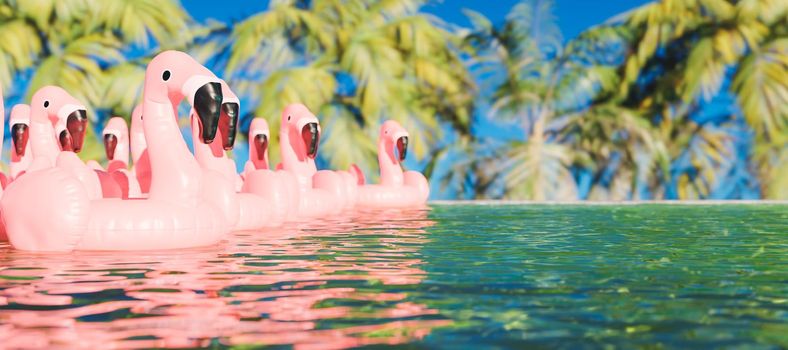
(208, 105)
(311, 137)
(110, 143)
(402, 147)
(20, 133)
(228, 124)
(76, 124)
(261, 145)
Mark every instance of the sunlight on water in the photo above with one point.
(512, 276)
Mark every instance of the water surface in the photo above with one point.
(469, 276)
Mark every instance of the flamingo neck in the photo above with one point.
(175, 174)
(137, 144)
(390, 169)
(42, 140)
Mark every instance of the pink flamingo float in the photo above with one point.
(116, 147)
(317, 193)
(49, 209)
(280, 188)
(322, 192)
(245, 210)
(397, 189)
(21, 156)
(70, 126)
(259, 136)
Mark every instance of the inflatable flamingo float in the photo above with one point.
(116, 146)
(116, 143)
(21, 156)
(43, 144)
(70, 125)
(246, 210)
(49, 209)
(397, 189)
(318, 193)
(280, 188)
(259, 134)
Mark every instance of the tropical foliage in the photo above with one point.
(623, 111)
(85, 46)
(675, 99)
(356, 63)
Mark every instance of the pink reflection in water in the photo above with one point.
(284, 286)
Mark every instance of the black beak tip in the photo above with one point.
(208, 105)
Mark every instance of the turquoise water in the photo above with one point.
(463, 276)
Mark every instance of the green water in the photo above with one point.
(458, 276)
(672, 276)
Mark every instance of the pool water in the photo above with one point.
(455, 276)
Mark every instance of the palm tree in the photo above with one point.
(518, 56)
(547, 88)
(83, 46)
(355, 63)
(682, 54)
(617, 111)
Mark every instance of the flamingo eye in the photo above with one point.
(166, 75)
(288, 118)
(46, 104)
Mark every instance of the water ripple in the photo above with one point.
(568, 276)
(317, 285)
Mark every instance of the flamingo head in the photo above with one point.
(258, 142)
(115, 132)
(172, 76)
(302, 129)
(395, 139)
(228, 119)
(20, 128)
(66, 113)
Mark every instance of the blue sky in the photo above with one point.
(573, 15)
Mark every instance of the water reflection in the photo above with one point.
(325, 284)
